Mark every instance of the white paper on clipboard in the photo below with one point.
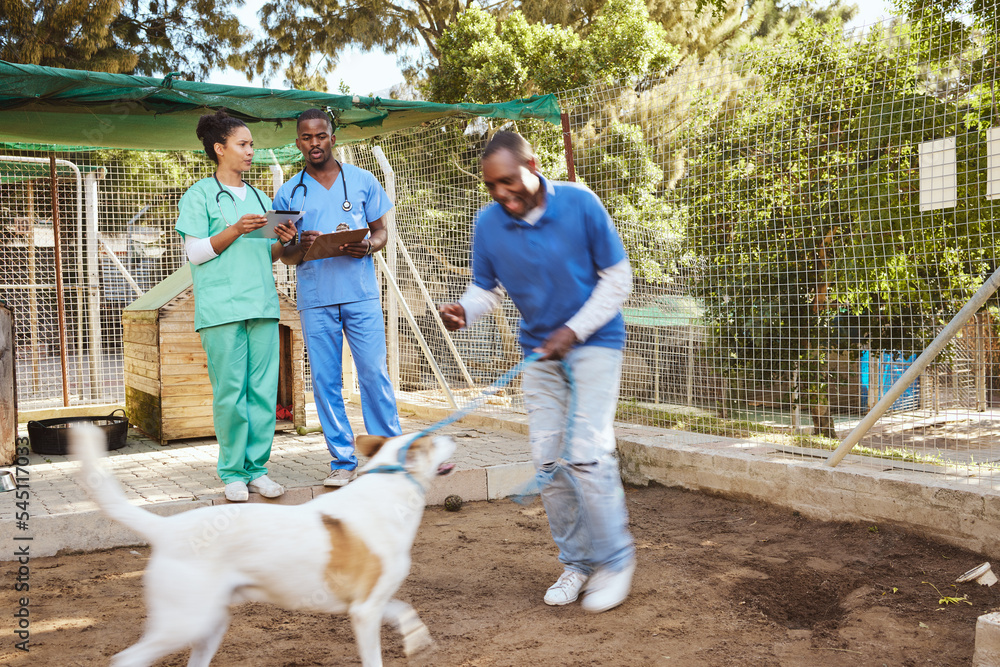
(274, 218)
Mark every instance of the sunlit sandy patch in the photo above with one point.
(61, 624)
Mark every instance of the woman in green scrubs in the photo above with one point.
(236, 308)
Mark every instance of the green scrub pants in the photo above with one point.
(243, 366)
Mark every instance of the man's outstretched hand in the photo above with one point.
(453, 316)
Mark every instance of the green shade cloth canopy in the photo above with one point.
(74, 108)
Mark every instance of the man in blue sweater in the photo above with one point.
(554, 249)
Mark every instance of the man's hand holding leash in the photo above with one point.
(558, 344)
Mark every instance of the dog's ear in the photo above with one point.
(368, 445)
(419, 447)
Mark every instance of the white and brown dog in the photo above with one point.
(346, 551)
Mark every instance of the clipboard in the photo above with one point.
(274, 218)
(328, 245)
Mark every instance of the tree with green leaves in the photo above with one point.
(487, 59)
(309, 36)
(152, 37)
(483, 58)
(805, 215)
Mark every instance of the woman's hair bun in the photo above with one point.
(215, 128)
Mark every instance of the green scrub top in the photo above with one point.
(239, 283)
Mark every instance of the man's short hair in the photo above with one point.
(313, 114)
(511, 141)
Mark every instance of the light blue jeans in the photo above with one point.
(324, 329)
(585, 501)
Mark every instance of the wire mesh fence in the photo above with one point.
(801, 221)
(113, 217)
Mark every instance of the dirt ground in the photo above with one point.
(719, 582)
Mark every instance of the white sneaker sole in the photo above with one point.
(553, 603)
(240, 496)
(268, 493)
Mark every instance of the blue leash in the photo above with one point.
(502, 382)
(542, 478)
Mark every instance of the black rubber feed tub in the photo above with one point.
(51, 436)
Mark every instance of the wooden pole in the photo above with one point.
(568, 146)
(34, 343)
(59, 281)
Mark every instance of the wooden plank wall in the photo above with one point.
(140, 339)
(185, 388)
(290, 319)
(8, 389)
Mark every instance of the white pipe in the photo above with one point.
(917, 367)
(277, 180)
(392, 306)
(79, 224)
(277, 173)
(93, 278)
(401, 247)
(121, 267)
(416, 332)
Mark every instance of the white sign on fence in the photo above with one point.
(993, 163)
(938, 174)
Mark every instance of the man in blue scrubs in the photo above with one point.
(339, 296)
(553, 247)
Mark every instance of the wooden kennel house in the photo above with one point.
(167, 391)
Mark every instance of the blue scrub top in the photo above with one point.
(549, 269)
(335, 280)
(239, 283)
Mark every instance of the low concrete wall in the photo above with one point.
(933, 506)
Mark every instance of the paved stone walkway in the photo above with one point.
(490, 462)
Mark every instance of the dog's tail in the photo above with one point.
(88, 443)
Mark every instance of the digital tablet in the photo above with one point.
(274, 218)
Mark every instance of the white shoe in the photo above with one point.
(608, 589)
(340, 477)
(236, 492)
(266, 487)
(566, 589)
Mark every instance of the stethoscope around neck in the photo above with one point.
(305, 189)
(223, 191)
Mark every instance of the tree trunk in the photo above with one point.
(819, 397)
(822, 420)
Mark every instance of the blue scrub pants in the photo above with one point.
(324, 329)
(243, 364)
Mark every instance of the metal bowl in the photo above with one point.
(7, 480)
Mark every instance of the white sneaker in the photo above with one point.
(236, 492)
(608, 589)
(340, 477)
(566, 589)
(266, 487)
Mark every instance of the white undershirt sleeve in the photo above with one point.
(478, 302)
(199, 250)
(613, 287)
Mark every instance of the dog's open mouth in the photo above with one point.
(445, 468)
